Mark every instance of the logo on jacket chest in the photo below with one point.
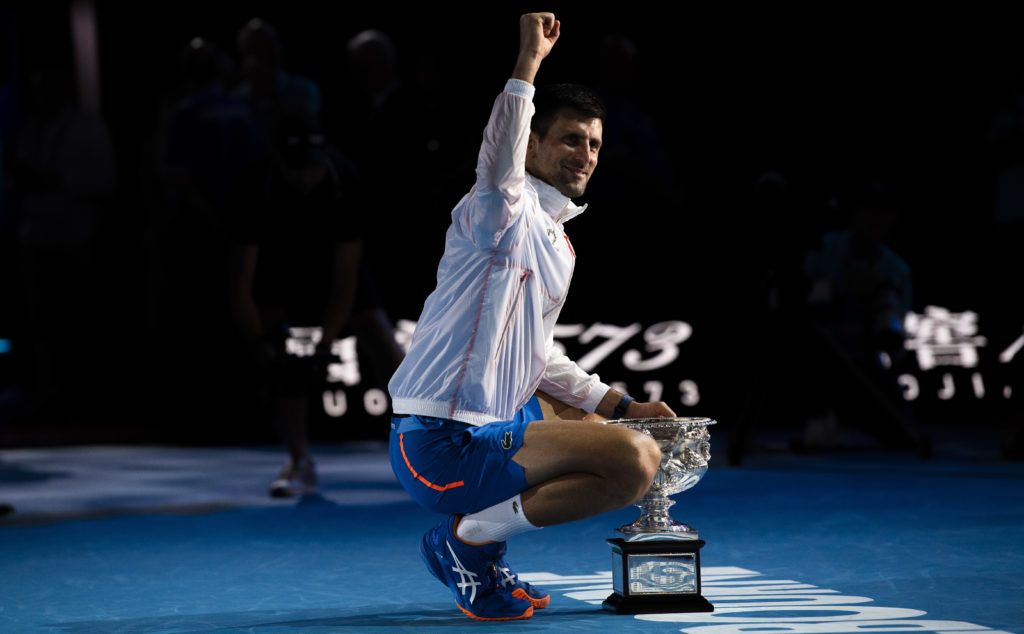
(556, 241)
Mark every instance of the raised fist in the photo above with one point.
(537, 34)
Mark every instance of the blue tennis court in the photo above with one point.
(165, 539)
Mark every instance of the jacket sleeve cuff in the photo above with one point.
(594, 397)
(520, 88)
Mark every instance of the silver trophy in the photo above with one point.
(656, 568)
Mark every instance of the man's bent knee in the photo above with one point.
(637, 462)
(626, 459)
(640, 465)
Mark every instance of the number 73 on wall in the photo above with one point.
(661, 347)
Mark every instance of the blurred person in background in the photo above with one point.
(62, 173)
(860, 291)
(208, 139)
(271, 92)
(299, 263)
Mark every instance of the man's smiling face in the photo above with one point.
(567, 155)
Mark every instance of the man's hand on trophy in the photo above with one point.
(657, 409)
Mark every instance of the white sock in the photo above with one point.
(495, 523)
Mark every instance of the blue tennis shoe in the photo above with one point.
(520, 589)
(481, 589)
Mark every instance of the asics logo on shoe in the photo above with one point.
(506, 440)
(508, 578)
(464, 574)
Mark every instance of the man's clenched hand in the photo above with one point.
(538, 33)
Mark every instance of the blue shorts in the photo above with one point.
(453, 467)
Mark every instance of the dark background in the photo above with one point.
(816, 95)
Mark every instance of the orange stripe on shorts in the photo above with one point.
(436, 487)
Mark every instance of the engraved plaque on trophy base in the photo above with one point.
(656, 575)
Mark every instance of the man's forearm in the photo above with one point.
(347, 256)
(526, 67)
(247, 315)
(537, 34)
(634, 409)
(339, 309)
(606, 407)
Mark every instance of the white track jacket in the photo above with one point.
(484, 343)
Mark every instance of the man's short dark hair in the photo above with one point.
(549, 99)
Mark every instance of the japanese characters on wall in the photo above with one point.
(955, 360)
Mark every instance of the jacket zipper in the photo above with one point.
(512, 312)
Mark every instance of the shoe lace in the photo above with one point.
(504, 573)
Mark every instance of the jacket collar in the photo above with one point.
(557, 205)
